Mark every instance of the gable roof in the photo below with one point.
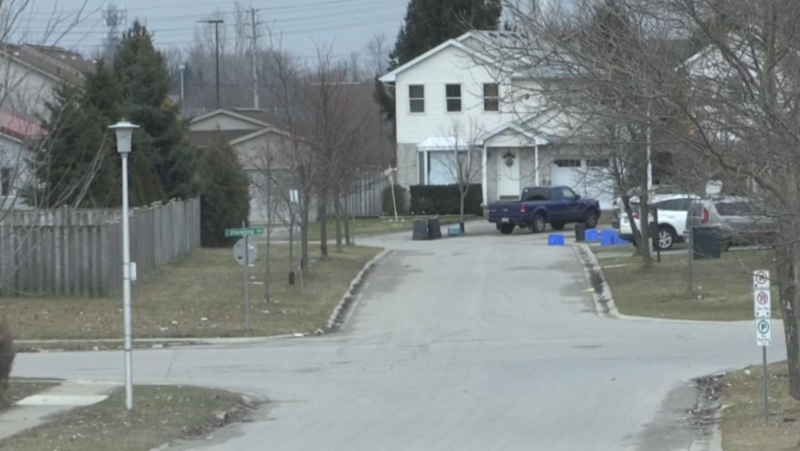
(55, 63)
(234, 114)
(538, 140)
(458, 43)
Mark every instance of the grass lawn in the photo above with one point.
(722, 289)
(201, 295)
(376, 226)
(19, 389)
(162, 414)
(743, 426)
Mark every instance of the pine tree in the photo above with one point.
(429, 23)
(225, 198)
(145, 79)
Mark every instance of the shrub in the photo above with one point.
(225, 197)
(400, 198)
(7, 355)
(445, 200)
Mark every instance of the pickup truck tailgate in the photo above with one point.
(501, 212)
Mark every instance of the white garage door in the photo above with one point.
(587, 178)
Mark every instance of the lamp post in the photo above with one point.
(124, 131)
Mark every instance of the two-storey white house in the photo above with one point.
(454, 97)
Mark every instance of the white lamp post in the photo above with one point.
(124, 131)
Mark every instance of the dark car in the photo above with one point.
(542, 205)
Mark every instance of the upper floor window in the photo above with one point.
(416, 98)
(453, 95)
(491, 97)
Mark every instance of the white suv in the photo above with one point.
(672, 210)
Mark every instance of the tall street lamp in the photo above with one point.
(124, 131)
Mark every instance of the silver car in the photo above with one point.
(737, 221)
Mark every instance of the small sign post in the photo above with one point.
(762, 310)
(245, 254)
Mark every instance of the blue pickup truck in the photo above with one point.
(542, 205)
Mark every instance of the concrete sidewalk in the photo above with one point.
(35, 410)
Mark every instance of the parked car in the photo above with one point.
(542, 205)
(672, 211)
(635, 192)
(737, 221)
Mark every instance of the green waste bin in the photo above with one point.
(705, 244)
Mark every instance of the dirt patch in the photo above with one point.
(161, 415)
(743, 423)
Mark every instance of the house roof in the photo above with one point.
(258, 118)
(19, 128)
(536, 139)
(204, 138)
(442, 143)
(458, 43)
(53, 62)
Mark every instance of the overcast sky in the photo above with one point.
(346, 24)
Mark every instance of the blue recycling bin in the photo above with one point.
(555, 239)
(608, 237)
(591, 235)
(454, 230)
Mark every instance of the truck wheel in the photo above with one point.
(591, 219)
(557, 225)
(539, 223)
(506, 229)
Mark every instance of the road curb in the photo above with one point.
(337, 318)
(601, 294)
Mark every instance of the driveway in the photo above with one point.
(477, 343)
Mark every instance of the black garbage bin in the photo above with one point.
(434, 229)
(420, 229)
(580, 232)
(705, 243)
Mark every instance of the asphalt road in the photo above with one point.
(485, 342)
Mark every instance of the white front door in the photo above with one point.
(508, 178)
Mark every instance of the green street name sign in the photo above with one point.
(243, 232)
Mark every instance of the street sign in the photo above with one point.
(245, 252)
(761, 279)
(762, 303)
(232, 233)
(763, 332)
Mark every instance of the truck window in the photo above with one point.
(568, 194)
(535, 195)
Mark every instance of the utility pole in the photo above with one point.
(254, 54)
(216, 23)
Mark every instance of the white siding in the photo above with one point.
(24, 91)
(453, 66)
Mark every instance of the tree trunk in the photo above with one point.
(644, 215)
(338, 213)
(323, 227)
(346, 214)
(304, 236)
(461, 211)
(788, 279)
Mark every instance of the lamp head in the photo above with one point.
(124, 131)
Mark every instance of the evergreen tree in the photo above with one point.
(225, 197)
(429, 23)
(145, 79)
(77, 165)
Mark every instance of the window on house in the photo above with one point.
(5, 181)
(453, 95)
(568, 163)
(491, 97)
(416, 98)
(598, 163)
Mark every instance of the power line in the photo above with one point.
(326, 17)
(194, 5)
(362, 22)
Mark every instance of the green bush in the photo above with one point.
(7, 355)
(399, 195)
(445, 200)
(225, 195)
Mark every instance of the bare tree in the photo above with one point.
(461, 158)
(376, 51)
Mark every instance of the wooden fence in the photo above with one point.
(79, 252)
(365, 196)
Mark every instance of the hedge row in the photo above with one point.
(445, 200)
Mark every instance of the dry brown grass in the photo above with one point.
(161, 414)
(743, 425)
(722, 288)
(201, 295)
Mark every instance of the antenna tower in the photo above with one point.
(114, 17)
